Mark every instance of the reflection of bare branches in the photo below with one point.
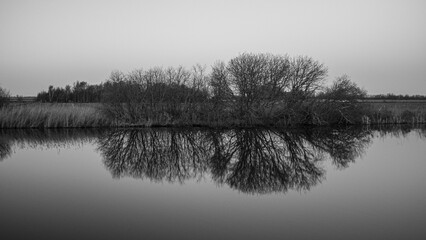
(260, 161)
(249, 160)
(252, 161)
(172, 155)
(342, 145)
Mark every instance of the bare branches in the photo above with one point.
(251, 89)
(344, 89)
(220, 83)
(306, 75)
(4, 96)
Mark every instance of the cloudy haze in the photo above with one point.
(380, 44)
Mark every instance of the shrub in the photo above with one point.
(4, 97)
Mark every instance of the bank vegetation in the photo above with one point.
(248, 91)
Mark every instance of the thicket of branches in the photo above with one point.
(158, 95)
(251, 89)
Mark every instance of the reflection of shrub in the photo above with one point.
(5, 149)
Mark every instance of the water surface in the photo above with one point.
(321, 183)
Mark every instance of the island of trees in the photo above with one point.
(249, 90)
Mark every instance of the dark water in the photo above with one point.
(232, 184)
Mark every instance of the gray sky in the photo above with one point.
(381, 45)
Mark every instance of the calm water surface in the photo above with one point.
(229, 184)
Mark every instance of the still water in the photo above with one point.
(323, 183)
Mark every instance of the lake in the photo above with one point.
(312, 183)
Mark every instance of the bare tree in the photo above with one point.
(344, 89)
(50, 92)
(306, 76)
(277, 76)
(247, 73)
(339, 102)
(4, 96)
(220, 83)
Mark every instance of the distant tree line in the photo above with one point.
(81, 92)
(391, 96)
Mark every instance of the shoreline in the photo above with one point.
(93, 115)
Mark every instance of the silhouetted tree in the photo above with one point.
(4, 96)
(306, 77)
(340, 101)
(344, 89)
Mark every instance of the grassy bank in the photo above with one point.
(69, 115)
(51, 115)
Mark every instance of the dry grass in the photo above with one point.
(398, 107)
(69, 115)
(46, 115)
(391, 112)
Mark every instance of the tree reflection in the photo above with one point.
(254, 161)
(261, 161)
(250, 160)
(343, 145)
(156, 154)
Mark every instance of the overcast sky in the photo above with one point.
(381, 45)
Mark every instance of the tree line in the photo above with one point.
(391, 96)
(250, 89)
(81, 92)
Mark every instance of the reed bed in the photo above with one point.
(59, 115)
(90, 115)
(395, 113)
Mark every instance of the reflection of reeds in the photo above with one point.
(43, 138)
(49, 138)
(5, 149)
(43, 115)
